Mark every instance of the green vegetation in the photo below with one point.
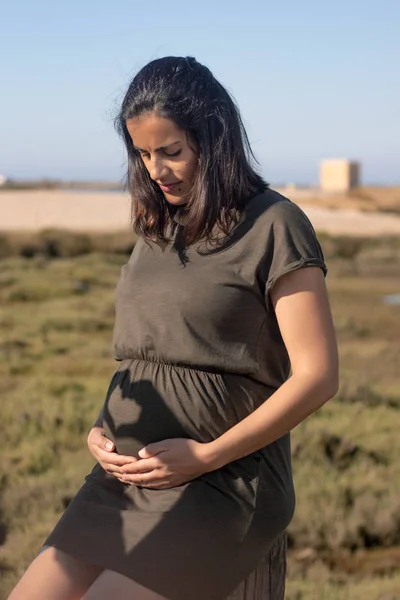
(56, 322)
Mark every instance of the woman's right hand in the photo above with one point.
(103, 450)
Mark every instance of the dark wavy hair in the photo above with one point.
(183, 90)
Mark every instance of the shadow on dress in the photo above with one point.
(199, 540)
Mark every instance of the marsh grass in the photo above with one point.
(55, 366)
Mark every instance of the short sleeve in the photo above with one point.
(292, 243)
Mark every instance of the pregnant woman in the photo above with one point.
(225, 343)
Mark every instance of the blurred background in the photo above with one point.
(318, 88)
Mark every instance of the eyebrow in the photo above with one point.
(159, 148)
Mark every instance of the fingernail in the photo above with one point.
(109, 446)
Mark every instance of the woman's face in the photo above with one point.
(166, 154)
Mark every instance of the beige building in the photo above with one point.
(339, 175)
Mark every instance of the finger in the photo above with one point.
(114, 458)
(111, 462)
(114, 474)
(96, 432)
(150, 478)
(109, 446)
(112, 470)
(141, 466)
(98, 439)
(152, 450)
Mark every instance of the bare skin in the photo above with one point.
(171, 162)
(302, 309)
(304, 318)
(167, 153)
(55, 575)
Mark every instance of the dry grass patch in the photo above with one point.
(55, 367)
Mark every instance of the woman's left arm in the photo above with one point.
(301, 305)
(300, 301)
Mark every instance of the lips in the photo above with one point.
(168, 187)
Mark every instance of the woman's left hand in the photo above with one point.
(168, 464)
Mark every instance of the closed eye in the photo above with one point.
(146, 155)
(173, 154)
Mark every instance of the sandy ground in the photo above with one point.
(109, 211)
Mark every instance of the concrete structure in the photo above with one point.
(339, 175)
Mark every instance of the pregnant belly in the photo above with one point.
(149, 402)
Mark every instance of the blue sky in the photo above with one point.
(313, 79)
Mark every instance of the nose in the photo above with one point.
(157, 168)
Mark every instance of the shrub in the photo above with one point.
(60, 243)
(5, 247)
(56, 243)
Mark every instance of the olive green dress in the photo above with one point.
(199, 349)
